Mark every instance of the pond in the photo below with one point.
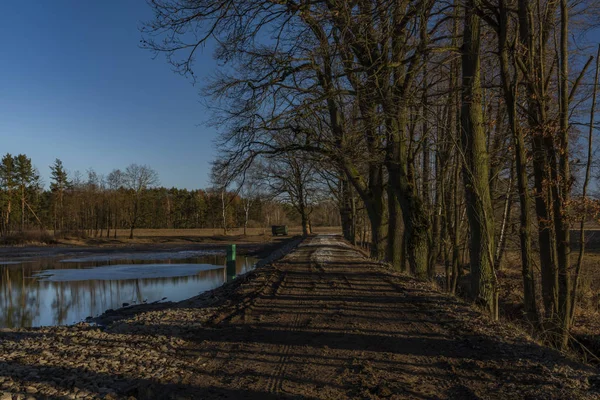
(61, 291)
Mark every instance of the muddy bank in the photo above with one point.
(267, 254)
(67, 289)
(91, 361)
(256, 249)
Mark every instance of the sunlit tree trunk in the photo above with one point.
(561, 203)
(476, 168)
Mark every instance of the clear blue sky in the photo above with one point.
(75, 85)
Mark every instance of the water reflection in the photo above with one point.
(27, 300)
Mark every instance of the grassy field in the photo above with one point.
(151, 233)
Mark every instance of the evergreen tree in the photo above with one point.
(7, 184)
(60, 183)
(26, 177)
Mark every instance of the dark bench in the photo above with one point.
(279, 230)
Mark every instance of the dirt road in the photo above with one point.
(323, 322)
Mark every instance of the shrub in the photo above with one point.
(27, 237)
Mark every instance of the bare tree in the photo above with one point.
(115, 181)
(249, 189)
(137, 179)
(293, 178)
(222, 177)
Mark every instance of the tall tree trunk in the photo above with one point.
(416, 223)
(532, 60)
(55, 220)
(347, 211)
(476, 168)
(414, 213)
(508, 201)
(223, 212)
(395, 238)
(116, 223)
(62, 209)
(509, 87)
(246, 213)
(563, 229)
(108, 221)
(426, 172)
(22, 208)
(8, 211)
(133, 219)
(306, 229)
(436, 234)
(375, 212)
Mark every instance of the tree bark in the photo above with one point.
(476, 168)
(563, 229)
(509, 87)
(395, 238)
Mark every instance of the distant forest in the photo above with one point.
(95, 205)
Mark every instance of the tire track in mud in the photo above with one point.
(229, 313)
(329, 323)
(275, 382)
(331, 269)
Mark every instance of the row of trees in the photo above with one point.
(439, 117)
(96, 205)
(20, 181)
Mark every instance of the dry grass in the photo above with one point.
(26, 238)
(147, 233)
(586, 327)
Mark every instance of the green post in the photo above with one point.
(231, 270)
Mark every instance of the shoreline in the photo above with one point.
(244, 247)
(270, 254)
(264, 252)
